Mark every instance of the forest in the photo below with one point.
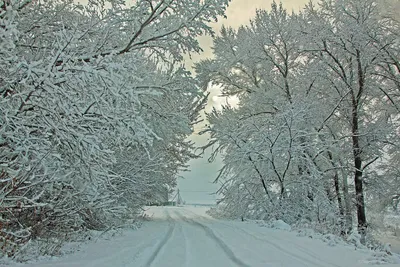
(314, 139)
(96, 107)
(95, 110)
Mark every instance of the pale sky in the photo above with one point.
(239, 13)
(197, 186)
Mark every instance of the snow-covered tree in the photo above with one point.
(318, 109)
(95, 109)
(356, 48)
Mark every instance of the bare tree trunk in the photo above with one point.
(343, 202)
(338, 195)
(361, 217)
(347, 204)
(262, 180)
(358, 182)
(337, 186)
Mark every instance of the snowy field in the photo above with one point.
(187, 236)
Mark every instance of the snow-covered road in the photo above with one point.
(186, 236)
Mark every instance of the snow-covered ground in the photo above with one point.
(187, 236)
(392, 240)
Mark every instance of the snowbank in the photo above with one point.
(281, 225)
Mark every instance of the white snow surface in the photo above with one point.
(187, 236)
(281, 225)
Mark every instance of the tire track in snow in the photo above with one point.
(124, 254)
(209, 232)
(306, 251)
(163, 242)
(128, 262)
(302, 249)
(288, 252)
(186, 247)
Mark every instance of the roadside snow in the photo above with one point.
(281, 225)
(187, 236)
(393, 241)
